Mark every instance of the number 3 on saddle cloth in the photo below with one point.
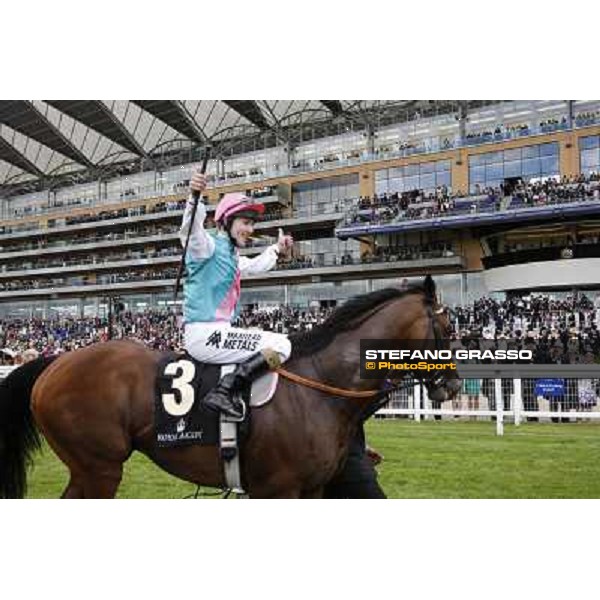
(180, 418)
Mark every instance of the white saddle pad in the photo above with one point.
(262, 389)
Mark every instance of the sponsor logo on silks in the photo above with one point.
(180, 425)
(214, 339)
(241, 340)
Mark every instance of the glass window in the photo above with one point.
(411, 183)
(261, 295)
(476, 287)
(412, 177)
(531, 167)
(450, 289)
(592, 141)
(495, 171)
(324, 194)
(590, 158)
(477, 174)
(512, 168)
(512, 155)
(494, 182)
(531, 151)
(493, 157)
(381, 187)
(476, 160)
(549, 165)
(550, 149)
(427, 181)
(410, 170)
(396, 184)
(443, 179)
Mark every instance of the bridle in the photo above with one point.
(438, 379)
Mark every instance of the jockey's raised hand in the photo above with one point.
(284, 242)
(198, 182)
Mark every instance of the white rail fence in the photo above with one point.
(505, 400)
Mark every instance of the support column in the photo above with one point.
(569, 154)
(460, 171)
(370, 133)
(366, 182)
(570, 104)
(463, 113)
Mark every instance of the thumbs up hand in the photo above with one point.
(284, 242)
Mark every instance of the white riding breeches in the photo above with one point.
(220, 343)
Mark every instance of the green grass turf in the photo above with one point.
(431, 459)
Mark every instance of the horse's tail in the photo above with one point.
(19, 436)
(429, 288)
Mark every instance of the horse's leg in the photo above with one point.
(275, 494)
(74, 488)
(312, 494)
(95, 462)
(94, 484)
(102, 482)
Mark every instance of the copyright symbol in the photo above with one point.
(370, 365)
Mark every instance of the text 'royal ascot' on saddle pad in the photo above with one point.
(181, 383)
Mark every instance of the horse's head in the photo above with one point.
(443, 384)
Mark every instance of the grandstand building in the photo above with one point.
(491, 197)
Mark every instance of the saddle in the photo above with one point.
(181, 383)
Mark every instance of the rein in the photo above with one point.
(323, 387)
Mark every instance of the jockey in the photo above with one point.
(212, 292)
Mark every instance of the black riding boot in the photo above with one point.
(225, 398)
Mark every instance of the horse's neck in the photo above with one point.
(339, 363)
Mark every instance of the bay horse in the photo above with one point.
(95, 406)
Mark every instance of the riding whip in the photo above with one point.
(195, 200)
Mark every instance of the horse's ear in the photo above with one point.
(429, 287)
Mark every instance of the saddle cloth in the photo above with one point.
(181, 383)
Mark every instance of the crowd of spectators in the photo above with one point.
(418, 204)
(533, 316)
(127, 232)
(413, 204)
(558, 331)
(60, 261)
(587, 118)
(571, 323)
(158, 329)
(407, 252)
(122, 276)
(556, 191)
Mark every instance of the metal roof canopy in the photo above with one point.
(94, 133)
(96, 116)
(250, 110)
(23, 117)
(335, 106)
(174, 114)
(10, 155)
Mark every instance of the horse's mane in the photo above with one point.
(346, 318)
